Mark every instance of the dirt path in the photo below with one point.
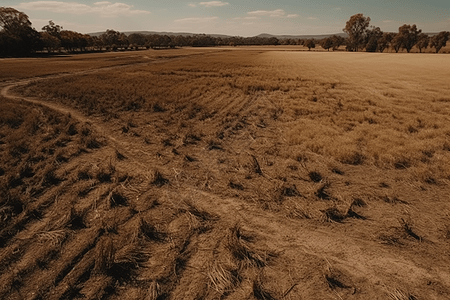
(364, 263)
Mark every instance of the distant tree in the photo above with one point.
(326, 43)
(356, 28)
(110, 39)
(50, 42)
(440, 40)
(136, 40)
(408, 36)
(337, 41)
(423, 41)
(123, 41)
(385, 41)
(373, 35)
(53, 29)
(311, 43)
(73, 41)
(397, 42)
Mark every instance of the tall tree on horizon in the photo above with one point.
(356, 28)
(17, 37)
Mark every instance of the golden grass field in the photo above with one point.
(228, 173)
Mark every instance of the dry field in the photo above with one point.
(248, 173)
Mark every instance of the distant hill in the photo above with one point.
(162, 33)
(266, 35)
(314, 36)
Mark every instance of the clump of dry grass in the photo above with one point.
(119, 155)
(323, 192)
(254, 165)
(241, 249)
(158, 179)
(333, 214)
(116, 198)
(221, 278)
(235, 185)
(407, 227)
(154, 292)
(298, 211)
(104, 255)
(259, 290)
(146, 230)
(315, 176)
(398, 294)
(131, 256)
(199, 219)
(214, 145)
(54, 237)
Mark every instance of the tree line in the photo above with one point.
(362, 36)
(19, 38)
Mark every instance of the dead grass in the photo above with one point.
(345, 155)
(398, 294)
(242, 250)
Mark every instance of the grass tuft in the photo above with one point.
(221, 279)
(104, 256)
(315, 176)
(259, 291)
(398, 294)
(154, 292)
(240, 248)
(158, 179)
(407, 227)
(323, 191)
(116, 198)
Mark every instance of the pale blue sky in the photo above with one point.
(244, 17)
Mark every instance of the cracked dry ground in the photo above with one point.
(238, 174)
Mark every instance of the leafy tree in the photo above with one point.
(50, 42)
(337, 41)
(326, 43)
(440, 40)
(356, 28)
(373, 35)
(17, 35)
(53, 29)
(385, 41)
(110, 39)
(311, 43)
(136, 40)
(13, 21)
(423, 42)
(74, 41)
(408, 36)
(397, 42)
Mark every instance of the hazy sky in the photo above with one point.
(244, 17)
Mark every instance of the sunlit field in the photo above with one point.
(228, 173)
(15, 68)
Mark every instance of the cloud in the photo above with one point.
(196, 20)
(270, 13)
(245, 18)
(312, 18)
(192, 5)
(104, 8)
(292, 16)
(213, 3)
